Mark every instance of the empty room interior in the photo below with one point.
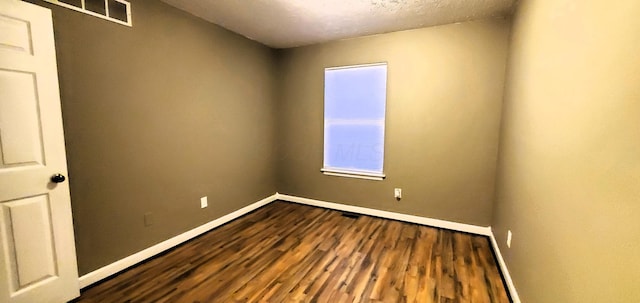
(208, 155)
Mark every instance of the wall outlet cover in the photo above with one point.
(203, 202)
(397, 193)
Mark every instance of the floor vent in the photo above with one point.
(351, 215)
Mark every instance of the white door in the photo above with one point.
(37, 250)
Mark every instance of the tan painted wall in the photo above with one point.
(445, 88)
(155, 117)
(569, 172)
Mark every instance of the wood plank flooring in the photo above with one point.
(286, 252)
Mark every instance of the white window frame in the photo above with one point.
(351, 173)
(105, 17)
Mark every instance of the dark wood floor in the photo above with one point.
(287, 252)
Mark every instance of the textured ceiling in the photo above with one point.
(290, 23)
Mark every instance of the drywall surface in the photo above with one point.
(569, 172)
(156, 116)
(444, 101)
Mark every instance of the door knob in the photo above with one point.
(57, 178)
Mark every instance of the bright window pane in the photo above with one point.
(356, 92)
(355, 147)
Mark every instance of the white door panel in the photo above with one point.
(37, 250)
(29, 234)
(20, 140)
(15, 34)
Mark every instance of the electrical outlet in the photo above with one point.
(509, 236)
(148, 219)
(203, 202)
(397, 193)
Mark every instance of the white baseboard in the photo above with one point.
(138, 257)
(468, 228)
(505, 271)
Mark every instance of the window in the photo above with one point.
(354, 117)
(118, 11)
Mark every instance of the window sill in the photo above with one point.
(353, 174)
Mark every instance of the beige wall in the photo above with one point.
(445, 88)
(569, 172)
(156, 116)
